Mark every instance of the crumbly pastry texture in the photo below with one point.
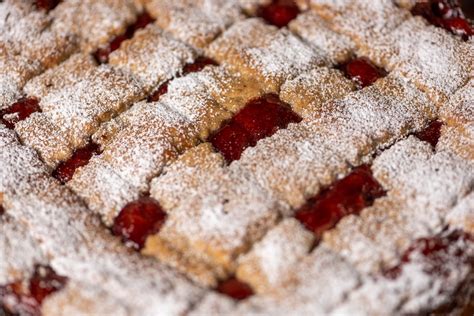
(236, 157)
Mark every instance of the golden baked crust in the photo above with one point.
(235, 157)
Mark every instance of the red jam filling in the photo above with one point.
(198, 65)
(435, 253)
(279, 12)
(19, 111)
(102, 54)
(47, 4)
(235, 289)
(431, 133)
(44, 282)
(260, 118)
(447, 14)
(142, 21)
(459, 26)
(349, 195)
(137, 220)
(362, 71)
(156, 95)
(231, 141)
(65, 170)
(17, 299)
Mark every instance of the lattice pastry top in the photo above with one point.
(236, 157)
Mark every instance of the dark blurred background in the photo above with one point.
(468, 8)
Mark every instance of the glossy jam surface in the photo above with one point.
(25, 298)
(198, 65)
(264, 116)
(102, 54)
(65, 170)
(46, 4)
(349, 195)
(156, 95)
(137, 220)
(279, 12)
(231, 141)
(438, 254)
(431, 133)
(19, 111)
(260, 118)
(235, 289)
(362, 71)
(447, 14)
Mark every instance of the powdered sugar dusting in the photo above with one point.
(224, 198)
(413, 290)
(104, 191)
(276, 255)
(152, 56)
(308, 101)
(9, 92)
(40, 133)
(95, 23)
(310, 290)
(434, 60)
(251, 6)
(462, 216)
(20, 249)
(196, 23)
(76, 246)
(362, 20)
(422, 189)
(184, 177)
(144, 139)
(13, 10)
(286, 55)
(274, 55)
(225, 220)
(315, 31)
(458, 140)
(76, 109)
(15, 72)
(460, 108)
(190, 96)
(73, 70)
(27, 47)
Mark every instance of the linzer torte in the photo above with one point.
(236, 157)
